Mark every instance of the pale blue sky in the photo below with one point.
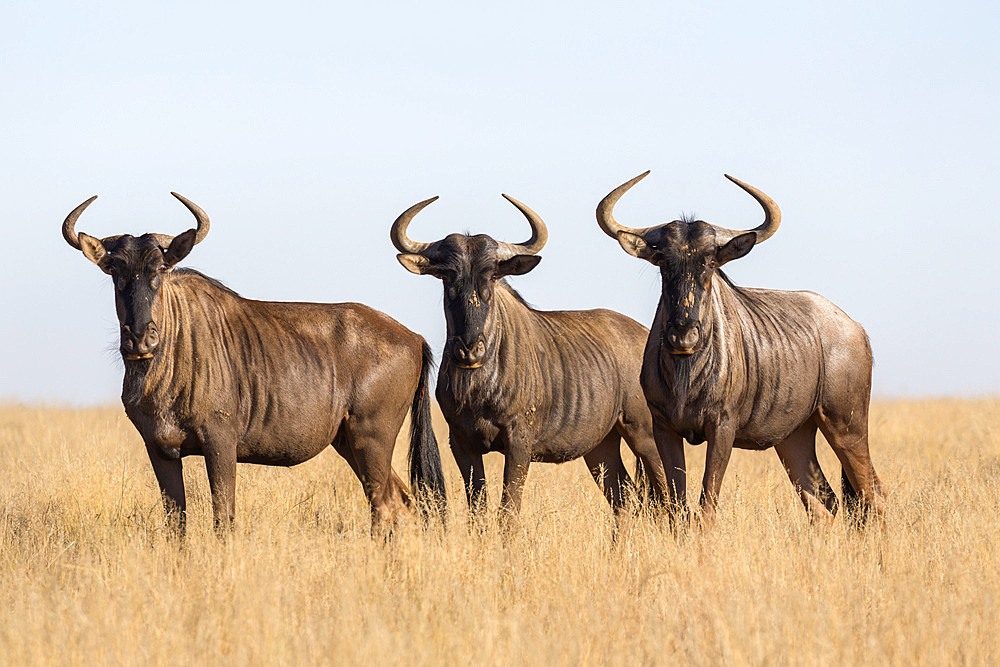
(304, 129)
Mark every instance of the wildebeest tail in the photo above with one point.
(426, 474)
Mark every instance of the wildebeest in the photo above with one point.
(753, 368)
(208, 372)
(535, 385)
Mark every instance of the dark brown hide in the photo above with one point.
(750, 368)
(236, 380)
(535, 385)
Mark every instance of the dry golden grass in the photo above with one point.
(88, 574)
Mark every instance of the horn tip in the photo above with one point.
(640, 177)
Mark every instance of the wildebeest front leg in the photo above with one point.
(720, 447)
(170, 477)
(220, 463)
(470, 464)
(671, 448)
(517, 459)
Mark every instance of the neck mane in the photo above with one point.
(507, 348)
(706, 371)
(194, 326)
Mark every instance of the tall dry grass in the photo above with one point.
(88, 573)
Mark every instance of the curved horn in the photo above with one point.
(398, 235)
(606, 219)
(766, 229)
(200, 215)
(69, 224)
(539, 234)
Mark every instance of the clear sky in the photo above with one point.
(304, 129)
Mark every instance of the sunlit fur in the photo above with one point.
(237, 380)
(551, 386)
(769, 367)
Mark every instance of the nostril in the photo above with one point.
(148, 342)
(690, 338)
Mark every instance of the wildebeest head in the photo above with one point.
(688, 253)
(468, 266)
(137, 264)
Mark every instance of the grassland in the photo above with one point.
(88, 573)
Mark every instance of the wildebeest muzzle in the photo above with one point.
(136, 346)
(683, 337)
(469, 355)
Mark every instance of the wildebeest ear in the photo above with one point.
(517, 265)
(736, 248)
(417, 264)
(634, 245)
(94, 250)
(179, 247)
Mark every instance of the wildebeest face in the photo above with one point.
(138, 267)
(469, 267)
(688, 255)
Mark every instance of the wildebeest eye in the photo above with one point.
(163, 268)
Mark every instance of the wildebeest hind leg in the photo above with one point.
(398, 486)
(850, 444)
(371, 443)
(798, 455)
(608, 470)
